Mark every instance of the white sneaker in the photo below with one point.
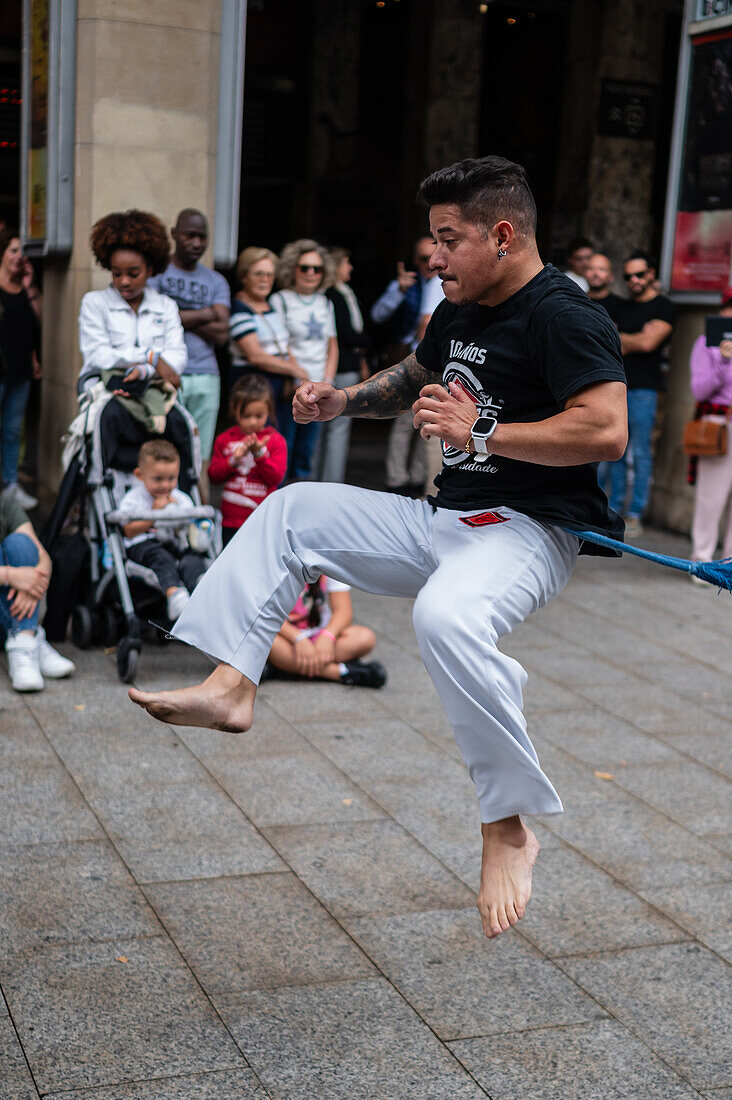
(177, 600)
(16, 493)
(52, 665)
(23, 665)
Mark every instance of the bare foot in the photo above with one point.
(509, 854)
(224, 701)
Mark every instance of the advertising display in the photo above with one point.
(702, 244)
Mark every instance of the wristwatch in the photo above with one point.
(480, 433)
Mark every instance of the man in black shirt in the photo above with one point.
(646, 322)
(600, 276)
(520, 376)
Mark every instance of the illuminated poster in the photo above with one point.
(38, 147)
(702, 256)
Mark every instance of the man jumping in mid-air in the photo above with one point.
(521, 376)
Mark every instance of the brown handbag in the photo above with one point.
(704, 438)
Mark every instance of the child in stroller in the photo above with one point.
(162, 547)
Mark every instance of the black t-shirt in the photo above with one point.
(613, 303)
(643, 368)
(18, 336)
(521, 361)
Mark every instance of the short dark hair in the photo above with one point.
(157, 450)
(486, 189)
(252, 387)
(578, 243)
(640, 254)
(135, 230)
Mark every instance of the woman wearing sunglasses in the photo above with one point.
(305, 270)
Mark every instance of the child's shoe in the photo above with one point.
(367, 674)
(177, 600)
(52, 665)
(23, 664)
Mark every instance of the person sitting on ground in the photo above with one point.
(162, 548)
(249, 459)
(320, 641)
(25, 571)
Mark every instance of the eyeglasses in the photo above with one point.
(316, 268)
(628, 275)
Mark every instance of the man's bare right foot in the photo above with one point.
(509, 854)
(224, 701)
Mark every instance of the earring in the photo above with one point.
(501, 253)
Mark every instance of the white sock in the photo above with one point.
(342, 669)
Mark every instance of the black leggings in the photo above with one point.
(174, 568)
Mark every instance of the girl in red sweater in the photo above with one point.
(249, 459)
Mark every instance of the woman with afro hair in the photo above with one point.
(129, 326)
(132, 331)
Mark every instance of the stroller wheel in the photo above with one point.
(107, 625)
(128, 658)
(82, 626)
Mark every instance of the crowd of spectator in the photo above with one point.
(160, 332)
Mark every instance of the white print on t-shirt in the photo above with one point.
(485, 403)
(468, 352)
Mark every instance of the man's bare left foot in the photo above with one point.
(224, 701)
(509, 854)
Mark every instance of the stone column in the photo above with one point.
(146, 128)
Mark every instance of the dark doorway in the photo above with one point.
(522, 94)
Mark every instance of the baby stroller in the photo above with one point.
(109, 598)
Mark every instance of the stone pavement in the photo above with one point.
(290, 914)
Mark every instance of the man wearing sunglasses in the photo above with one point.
(646, 322)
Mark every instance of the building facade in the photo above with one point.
(340, 107)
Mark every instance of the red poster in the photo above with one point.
(702, 258)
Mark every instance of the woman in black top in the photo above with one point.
(19, 341)
(332, 452)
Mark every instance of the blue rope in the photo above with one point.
(718, 573)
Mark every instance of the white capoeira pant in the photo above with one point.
(471, 583)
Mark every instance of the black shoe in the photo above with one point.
(365, 674)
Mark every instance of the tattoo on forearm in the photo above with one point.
(390, 392)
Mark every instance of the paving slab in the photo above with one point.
(360, 868)
(461, 984)
(689, 793)
(710, 747)
(379, 748)
(593, 1061)
(346, 1041)
(295, 790)
(640, 846)
(675, 998)
(235, 1085)
(68, 1002)
(41, 804)
(68, 893)
(577, 908)
(302, 703)
(441, 813)
(16, 1080)
(601, 740)
(705, 911)
(256, 932)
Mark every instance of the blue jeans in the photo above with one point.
(13, 400)
(301, 440)
(17, 549)
(641, 418)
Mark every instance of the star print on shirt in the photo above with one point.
(314, 329)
